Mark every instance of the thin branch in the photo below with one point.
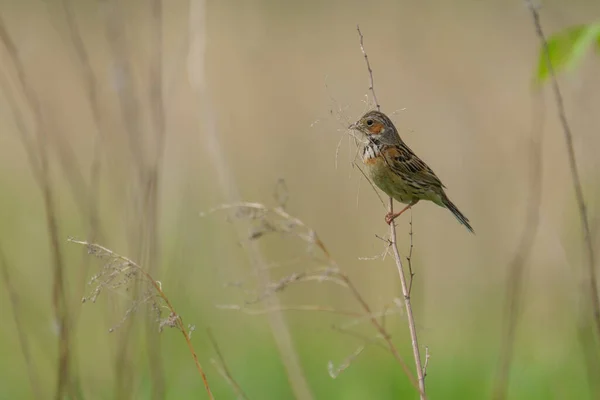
(398, 258)
(224, 370)
(587, 237)
(408, 306)
(251, 311)
(371, 84)
(362, 337)
(387, 310)
(410, 255)
(427, 356)
(334, 371)
(376, 324)
(259, 212)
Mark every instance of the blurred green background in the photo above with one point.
(254, 92)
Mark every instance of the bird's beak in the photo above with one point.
(353, 126)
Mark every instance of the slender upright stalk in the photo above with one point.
(592, 279)
(226, 181)
(397, 257)
(408, 306)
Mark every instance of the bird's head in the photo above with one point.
(375, 125)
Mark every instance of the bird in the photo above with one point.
(397, 170)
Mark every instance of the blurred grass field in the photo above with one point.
(281, 82)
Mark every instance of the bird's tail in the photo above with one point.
(459, 216)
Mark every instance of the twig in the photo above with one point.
(371, 85)
(262, 311)
(361, 336)
(334, 371)
(407, 304)
(410, 253)
(592, 280)
(398, 258)
(378, 326)
(289, 222)
(223, 369)
(427, 355)
(366, 318)
(101, 251)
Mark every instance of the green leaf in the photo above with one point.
(567, 48)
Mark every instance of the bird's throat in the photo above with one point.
(371, 153)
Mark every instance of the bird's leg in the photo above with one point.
(392, 216)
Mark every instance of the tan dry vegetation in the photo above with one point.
(463, 71)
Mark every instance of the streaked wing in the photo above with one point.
(404, 162)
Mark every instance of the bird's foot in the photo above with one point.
(390, 217)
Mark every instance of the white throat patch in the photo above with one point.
(371, 151)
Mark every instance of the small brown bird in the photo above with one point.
(396, 170)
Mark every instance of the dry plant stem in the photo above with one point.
(371, 84)
(225, 370)
(146, 153)
(398, 258)
(92, 89)
(90, 84)
(427, 357)
(517, 267)
(225, 179)
(332, 271)
(37, 149)
(587, 237)
(410, 256)
(129, 109)
(150, 196)
(408, 307)
(262, 311)
(373, 318)
(96, 248)
(13, 296)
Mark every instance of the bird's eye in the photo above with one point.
(369, 122)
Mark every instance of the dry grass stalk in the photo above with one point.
(36, 144)
(117, 266)
(276, 220)
(226, 181)
(223, 369)
(591, 294)
(393, 242)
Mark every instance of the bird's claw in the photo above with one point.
(389, 217)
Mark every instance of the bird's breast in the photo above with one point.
(382, 175)
(371, 154)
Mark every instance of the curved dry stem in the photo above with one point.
(592, 280)
(36, 146)
(174, 319)
(289, 224)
